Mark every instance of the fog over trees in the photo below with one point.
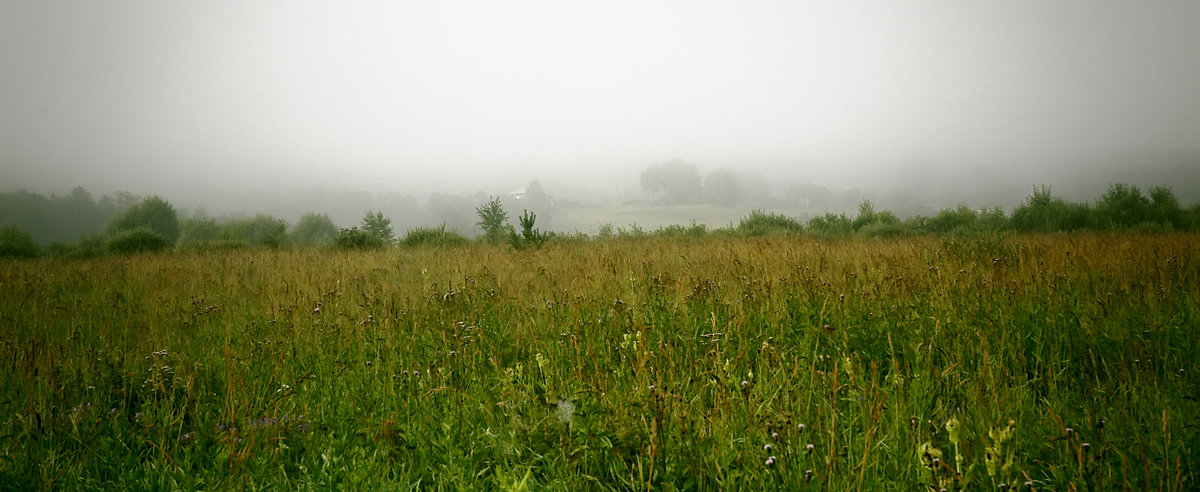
(620, 113)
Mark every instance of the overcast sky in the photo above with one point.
(153, 95)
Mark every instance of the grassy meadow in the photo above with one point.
(964, 362)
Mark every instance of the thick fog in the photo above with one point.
(222, 101)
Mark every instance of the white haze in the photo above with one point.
(195, 99)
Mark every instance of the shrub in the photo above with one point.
(378, 227)
(153, 213)
(881, 223)
(137, 240)
(884, 228)
(198, 231)
(673, 231)
(260, 230)
(314, 229)
(962, 218)
(1165, 208)
(433, 236)
(355, 238)
(1042, 212)
(491, 219)
(830, 225)
(89, 246)
(1122, 207)
(15, 243)
(760, 223)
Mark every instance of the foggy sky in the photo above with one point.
(158, 97)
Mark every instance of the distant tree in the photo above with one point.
(355, 238)
(314, 229)
(872, 223)
(198, 231)
(455, 212)
(376, 225)
(677, 181)
(866, 214)
(1122, 206)
(1042, 212)
(721, 187)
(492, 218)
(1165, 208)
(961, 218)
(15, 243)
(153, 213)
(75, 214)
(260, 230)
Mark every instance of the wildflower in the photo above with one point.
(775, 435)
(771, 460)
(808, 474)
(767, 447)
(809, 448)
(800, 427)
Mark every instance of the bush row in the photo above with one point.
(152, 225)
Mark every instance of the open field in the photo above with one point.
(1051, 362)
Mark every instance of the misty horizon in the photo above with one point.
(942, 102)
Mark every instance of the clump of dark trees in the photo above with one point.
(76, 225)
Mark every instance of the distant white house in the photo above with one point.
(532, 192)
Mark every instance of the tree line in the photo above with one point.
(126, 224)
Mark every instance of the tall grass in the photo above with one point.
(1061, 361)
